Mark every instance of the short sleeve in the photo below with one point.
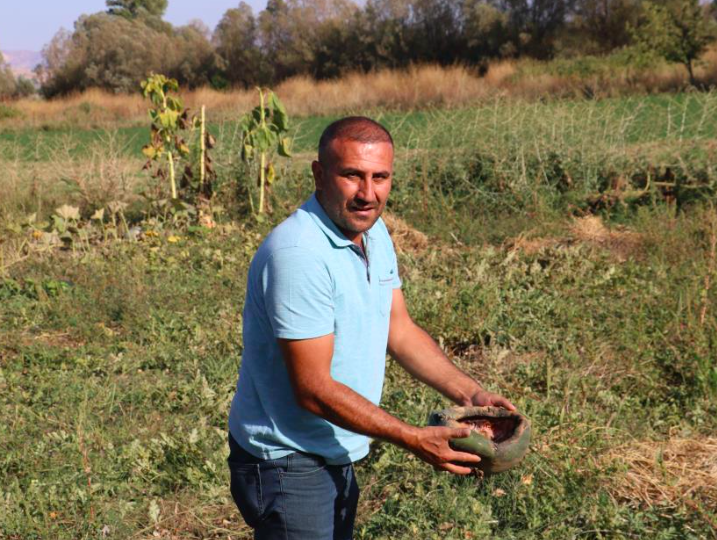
(394, 269)
(298, 294)
(391, 255)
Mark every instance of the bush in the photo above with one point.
(7, 80)
(25, 87)
(115, 54)
(8, 112)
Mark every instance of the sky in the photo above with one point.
(30, 24)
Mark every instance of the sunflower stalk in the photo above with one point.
(264, 131)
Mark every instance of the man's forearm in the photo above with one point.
(342, 406)
(421, 356)
(308, 363)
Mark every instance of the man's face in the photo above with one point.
(354, 184)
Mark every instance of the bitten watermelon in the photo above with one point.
(499, 436)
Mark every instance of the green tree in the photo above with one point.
(193, 60)
(116, 54)
(235, 38)
(435, 31)
(284, 35)
(605, 23)
(8, 84)
(485, 31)
(132, 9)
(677, 30)
(382, 29)
(24, 87)
(290, 33)
(534, 24)
(60, 70)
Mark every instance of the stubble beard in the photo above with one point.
(344, 220)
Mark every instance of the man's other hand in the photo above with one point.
(483, 398)
(431, 445)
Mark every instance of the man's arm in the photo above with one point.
(418, 354)
(309, 365)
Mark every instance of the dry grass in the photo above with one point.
(591, 230)
(530, 246)
(396, 89)
(102, 175)
(183, 519)
(668, 472)
(90, 107)
(416, 87)
(666, 78)
(405, 238)
(588, 230)
(89, 183)
(530, 79)
(38, 188)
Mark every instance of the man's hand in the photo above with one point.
(431, 445)
(483, 398)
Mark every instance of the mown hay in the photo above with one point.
(405, 238)
(673, 472)
(588, 230)
(530, 246)
(591, 230)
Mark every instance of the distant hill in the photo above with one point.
(22, 62)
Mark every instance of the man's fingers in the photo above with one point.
(456, 469)
(484, 398)
(460, 433)
(463, 457)
(500, 401)
(456, 456)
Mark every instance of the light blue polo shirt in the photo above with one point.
(308, 280)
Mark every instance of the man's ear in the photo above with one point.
(318, 171)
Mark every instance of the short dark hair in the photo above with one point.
(353, 128)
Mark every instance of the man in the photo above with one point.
(323, 305)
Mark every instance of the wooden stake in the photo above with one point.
(203, 148)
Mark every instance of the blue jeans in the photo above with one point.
(297, 497)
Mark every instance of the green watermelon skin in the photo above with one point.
(475, 444)
(495, 457)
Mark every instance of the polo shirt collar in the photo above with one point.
(329, 228)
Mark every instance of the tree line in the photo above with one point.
(117, 48)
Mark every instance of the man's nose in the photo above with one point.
(366, 190)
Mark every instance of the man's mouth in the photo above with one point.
(362, 211)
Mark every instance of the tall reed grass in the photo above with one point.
(418, 87)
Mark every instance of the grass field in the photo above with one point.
(630, 120)
(563, 252)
